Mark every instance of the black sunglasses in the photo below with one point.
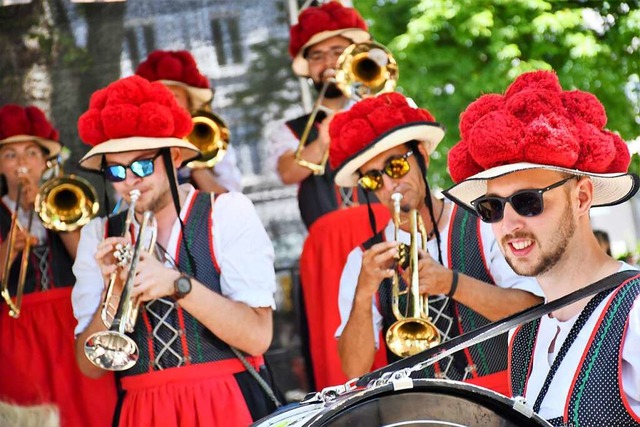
(140, 167)
(395, 167)
(524, 202)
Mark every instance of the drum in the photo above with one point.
(433, 403)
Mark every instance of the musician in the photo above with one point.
(335, 221)
(383, 144)
(213, 289)
(178, 71)
(317, 41)
(37, 361)
(531, 163)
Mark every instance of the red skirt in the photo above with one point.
(190, 396)
(324, 255)
(38, 363)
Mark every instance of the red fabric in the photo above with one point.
(325, 252)
(17, 120)
(133, 106)
(498, 382)
(330, 16)
(536, 121)
(353, 130)
(176, 65)
(39, 366)
(189, 396)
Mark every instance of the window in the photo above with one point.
(227, 40)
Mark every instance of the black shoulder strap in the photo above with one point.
(432, 355)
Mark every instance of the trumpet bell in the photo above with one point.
(111, 351)
(66, 203)
(411, 336)
(210, 135)
(366, 69)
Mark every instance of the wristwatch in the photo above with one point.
(182, 286)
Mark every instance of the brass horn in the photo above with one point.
(413, 332)
(113, 350)
(211, 135)
(15, 305)
(363, 70)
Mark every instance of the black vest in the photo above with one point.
(595, 399)
(59, 263)
(317, 194)
(196, 343)
(465, 256)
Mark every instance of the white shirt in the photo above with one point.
(279, 141)
(226, 171)
(241, 245)
(498, 267)
(554, 401)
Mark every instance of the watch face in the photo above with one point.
(183, 285)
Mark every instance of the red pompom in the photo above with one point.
(586, 107)
(17, 120)
(384, 118)
(482, 106)
(551, 140)
(622, 159)
(351, 140)
(461, 164)
(597, 149)
(495, 139)
(179, 66)
(328, 17)
(528, 105)
(536, 80)
(133, 106)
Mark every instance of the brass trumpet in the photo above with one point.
(211, 135)
(113, 350)
(413, 332)
(363, 70)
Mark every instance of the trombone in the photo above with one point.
(16, 305)
(113, 350)
(211, 135)
(363, 70)
(413, 332)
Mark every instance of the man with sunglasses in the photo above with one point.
(383, 144)
(580, 365)
(333, 215)
(178, 71)
(207, 289)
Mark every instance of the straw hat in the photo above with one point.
(177, 68)
(537, 125)
(316, 24)
(19, 124)
(373, 126)
(133, 114)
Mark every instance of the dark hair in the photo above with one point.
(603, 238)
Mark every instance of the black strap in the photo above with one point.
(432, 355)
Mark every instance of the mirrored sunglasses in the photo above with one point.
(525, 202)
(395, 167)
(140, 168)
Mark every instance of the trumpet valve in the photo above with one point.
(123, 254)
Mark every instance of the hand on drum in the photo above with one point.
(377, 265)
(434, 278)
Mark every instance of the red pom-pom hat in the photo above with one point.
(537, 125)
(177, 68)
(373, 126)
(20, 124)
(134, 114)
(316, 24)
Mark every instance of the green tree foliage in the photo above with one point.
(452, 51)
